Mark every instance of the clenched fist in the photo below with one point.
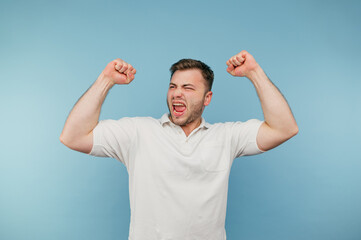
(119, 72)
(242, 64)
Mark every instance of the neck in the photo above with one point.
(191, 126)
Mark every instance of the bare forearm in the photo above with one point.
(279, 125)
(85, 114)
(276, 110)
(78, 130)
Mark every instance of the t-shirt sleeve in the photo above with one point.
(113, 138)
(244, 135)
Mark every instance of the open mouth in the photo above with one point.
(179, 109)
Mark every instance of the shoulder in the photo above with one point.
(129, 121)
(133, 119)
(145, 120)
(238, 128)
(248, 123)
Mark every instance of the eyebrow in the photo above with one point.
(184, 85)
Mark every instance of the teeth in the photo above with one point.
(178, 104)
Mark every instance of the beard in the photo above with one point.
(194, 110)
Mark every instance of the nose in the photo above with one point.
(177, 93)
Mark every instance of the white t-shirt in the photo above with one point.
(177, 184)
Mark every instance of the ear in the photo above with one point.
(207, 99)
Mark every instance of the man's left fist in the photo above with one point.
(242, 64)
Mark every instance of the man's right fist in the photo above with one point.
(119, 72)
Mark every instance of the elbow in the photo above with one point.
(296, 130)
(293, 131)
(289, 132)
(64, 140)
(82, 144)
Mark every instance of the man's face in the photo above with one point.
(187, 96)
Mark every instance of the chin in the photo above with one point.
(177, 121)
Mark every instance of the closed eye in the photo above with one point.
(188, 86)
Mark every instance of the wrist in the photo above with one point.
(256, 75)
(105, 82)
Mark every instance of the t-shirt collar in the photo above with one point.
(165, 120)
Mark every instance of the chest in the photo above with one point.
(171, 152)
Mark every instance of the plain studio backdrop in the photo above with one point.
(52, 51)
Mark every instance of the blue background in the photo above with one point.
(52, 51)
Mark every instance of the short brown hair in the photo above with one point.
(188, 63)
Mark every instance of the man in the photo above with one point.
(179, 165)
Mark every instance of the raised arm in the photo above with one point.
(77, 133)
(279, 125)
